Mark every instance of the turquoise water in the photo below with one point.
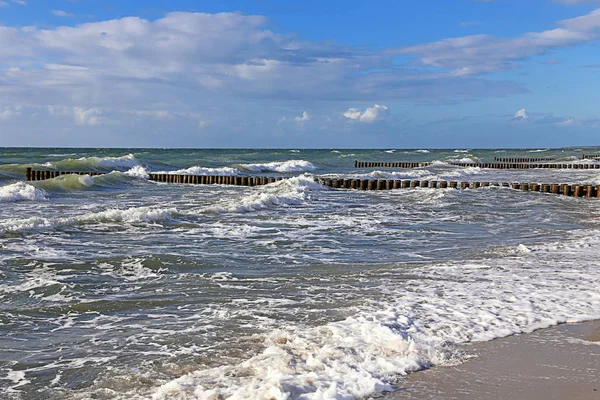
(120, 288)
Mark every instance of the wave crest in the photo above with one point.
(20, 191)
(280, 166)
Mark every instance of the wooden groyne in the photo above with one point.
(498, 165)
(582, 190)
(214, 179)
(576, 190)
(42, 175)
(522, 160)
(591, 156)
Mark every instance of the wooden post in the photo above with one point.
(566, 189)
(554, 188)
(414, 184)
(577, 190)
(476, 185)
(590, 192)
(28, 174)
(372, 185)
(525, 186)
(443, 185)
(364, 183)
(397, 184)
(464, 185)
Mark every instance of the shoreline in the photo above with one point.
(560, 362)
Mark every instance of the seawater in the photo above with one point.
(115, 287)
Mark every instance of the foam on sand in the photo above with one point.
(419, 326)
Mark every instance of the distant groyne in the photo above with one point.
(496, 165)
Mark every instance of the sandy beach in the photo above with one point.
(561, 362)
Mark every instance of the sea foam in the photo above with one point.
(280, 166)
(20, 191)
(417, 327)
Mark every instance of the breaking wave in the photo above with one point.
(280, 166)
(128, 215)
(95, 163)
(20, 191)
(288, 192)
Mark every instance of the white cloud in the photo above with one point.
(371, 114)
(20, 2)
(478, 54)
(86, 116)
(305, 117)
(203, 124)
(566, 122)
(6, 114)
(3, 3)
(521, 115)
(60, 13)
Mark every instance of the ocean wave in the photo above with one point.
(419, 327)
(280, 166)
(197, 170)
(137, 171)
(95, 163)
(20, 191)
(287, 192)
(115, 215)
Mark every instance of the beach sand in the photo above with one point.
(561, 362)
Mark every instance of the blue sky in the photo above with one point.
(267, 73)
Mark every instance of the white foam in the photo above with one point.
(415, 328)
(197, 170)
(126, 161)
(129, 215)
(287, 192)
(137, 171)
(20, 191)
(281, 166)
(422, 151)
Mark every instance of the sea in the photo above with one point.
(117, 287)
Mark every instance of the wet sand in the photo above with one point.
(561, 362)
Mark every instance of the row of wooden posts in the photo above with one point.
(521, 160)
(591, 156)
(358, 184)
(387, 184)
(377, 164)
(215, 179)
(41, 175)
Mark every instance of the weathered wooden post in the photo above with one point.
(28, 174)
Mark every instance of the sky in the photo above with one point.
(300, 74)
